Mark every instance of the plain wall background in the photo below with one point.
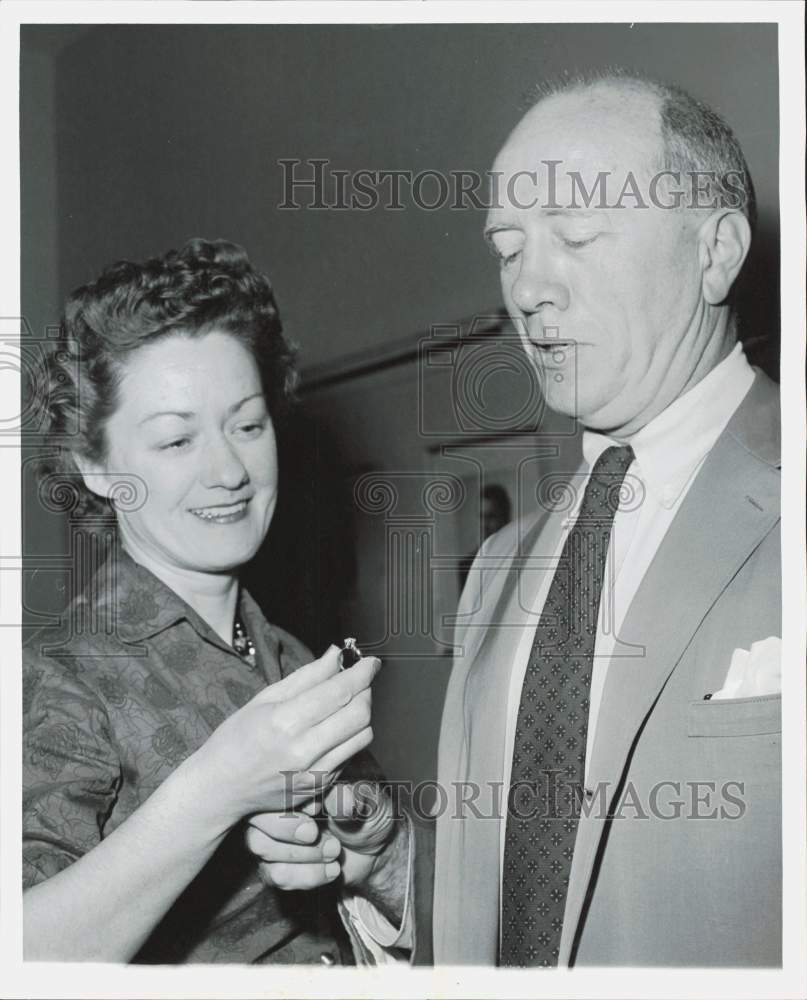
(135, 138)
(153, 134)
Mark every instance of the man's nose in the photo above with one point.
(224, 466)
(537, 287)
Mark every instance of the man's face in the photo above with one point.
(607, 300)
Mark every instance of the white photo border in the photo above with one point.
(19, 979)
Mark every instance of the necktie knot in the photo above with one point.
(615, 459)
(605, 484)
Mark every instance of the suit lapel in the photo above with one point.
(487, 679)
(508, 586)
(472, 748)
(731, 506)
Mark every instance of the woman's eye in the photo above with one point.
(176, 444)
(252, 429)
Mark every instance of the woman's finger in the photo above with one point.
(302, 679)
(290, 827)
(330, 698)
(292, 877)
(335, 758)
(330, 734)
(279, 852)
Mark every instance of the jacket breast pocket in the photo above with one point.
(735, 716)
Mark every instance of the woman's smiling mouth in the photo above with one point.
(221, 513)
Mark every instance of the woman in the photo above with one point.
(167, 709)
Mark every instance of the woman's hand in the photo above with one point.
(296, 853)
(362, 840)
(287, 743)
(293, 851)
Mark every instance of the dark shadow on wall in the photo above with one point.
(305, 570)
(757, 299)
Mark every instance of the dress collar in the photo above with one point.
(670, 449)
(144, 605)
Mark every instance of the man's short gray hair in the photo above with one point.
(695, 138)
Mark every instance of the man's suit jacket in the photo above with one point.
(652, 882)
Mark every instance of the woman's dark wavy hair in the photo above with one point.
(206, 285)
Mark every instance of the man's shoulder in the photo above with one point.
(757, 422)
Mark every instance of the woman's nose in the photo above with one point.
(224, 466)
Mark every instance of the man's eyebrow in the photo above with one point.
(559, 211)
(189, 414)
(578, 213)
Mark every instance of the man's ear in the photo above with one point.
(95, 476)
(724, 239)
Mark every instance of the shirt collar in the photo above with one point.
(141, 605)
(670, 449)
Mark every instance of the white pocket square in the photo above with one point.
(754, 672)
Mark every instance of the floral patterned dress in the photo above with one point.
(132, 683)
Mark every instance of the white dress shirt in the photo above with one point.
(668, 452)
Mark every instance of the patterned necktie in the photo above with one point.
(549, 751)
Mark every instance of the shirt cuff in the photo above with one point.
(378, 938)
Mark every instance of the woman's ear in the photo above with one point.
(95, 476)
(724, 241)
(125, 491)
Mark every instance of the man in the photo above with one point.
(620, 677)
(625, 310)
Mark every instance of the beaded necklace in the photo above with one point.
(242, 643)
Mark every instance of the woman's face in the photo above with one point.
(193, 426)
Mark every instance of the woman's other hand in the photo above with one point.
(297, 853)
(369, 846)
(287, 743)
(294, 851)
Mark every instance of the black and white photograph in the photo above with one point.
(404, 540)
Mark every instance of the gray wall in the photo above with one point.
(162, 133)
